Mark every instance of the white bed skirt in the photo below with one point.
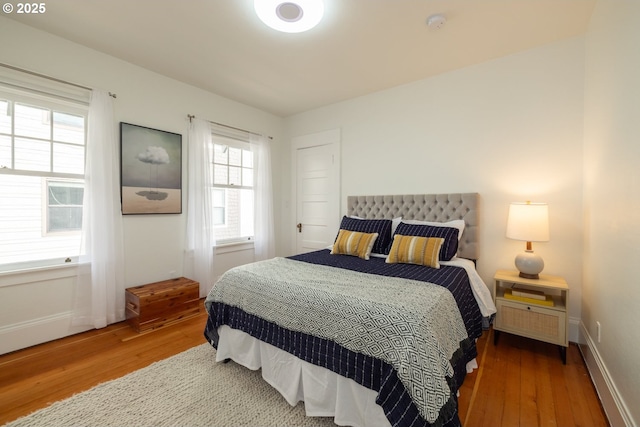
(325, 393)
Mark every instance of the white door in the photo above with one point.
(317, 190)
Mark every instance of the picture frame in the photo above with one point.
(150, 170)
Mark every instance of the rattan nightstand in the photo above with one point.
(529, 315)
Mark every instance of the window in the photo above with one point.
(64, 206)
(219, 206)
(42, 153)
(232, 197)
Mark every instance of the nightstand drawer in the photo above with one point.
(529, 320)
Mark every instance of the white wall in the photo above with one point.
(611, 292)
(153, 243)
(510, 129)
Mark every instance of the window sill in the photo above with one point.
(224, 248)
(21, 275)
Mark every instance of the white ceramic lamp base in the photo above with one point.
(529, 264)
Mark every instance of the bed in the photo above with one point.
(377, 330)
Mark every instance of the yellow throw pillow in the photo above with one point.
(354, 243)
(415, 250)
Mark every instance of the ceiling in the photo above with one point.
(361, 46)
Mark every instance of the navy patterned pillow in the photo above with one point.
(380, 226)
(449, 234)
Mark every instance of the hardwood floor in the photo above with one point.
(35, 377)
(523, 382)
(520, 382)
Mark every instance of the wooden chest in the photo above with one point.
(163, 303)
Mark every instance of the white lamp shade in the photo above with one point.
(528, 221)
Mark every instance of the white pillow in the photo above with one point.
(456, 223)
(395, 222)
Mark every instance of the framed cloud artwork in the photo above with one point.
(150, 170)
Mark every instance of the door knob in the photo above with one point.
(299, 227)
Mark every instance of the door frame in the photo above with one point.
(328, 137)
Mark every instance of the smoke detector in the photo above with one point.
(436, 21)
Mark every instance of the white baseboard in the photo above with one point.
(37, 331)
(574, 329)
(614, 407)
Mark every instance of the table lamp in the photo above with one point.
(528, 222)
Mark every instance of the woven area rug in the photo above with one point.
(188, 389)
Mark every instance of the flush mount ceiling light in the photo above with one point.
(290, 16)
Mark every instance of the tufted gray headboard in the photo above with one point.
(425, 207)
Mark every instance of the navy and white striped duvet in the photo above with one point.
(368, 371)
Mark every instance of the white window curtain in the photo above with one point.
(200, 239)
(264, 243)
(100, 295)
